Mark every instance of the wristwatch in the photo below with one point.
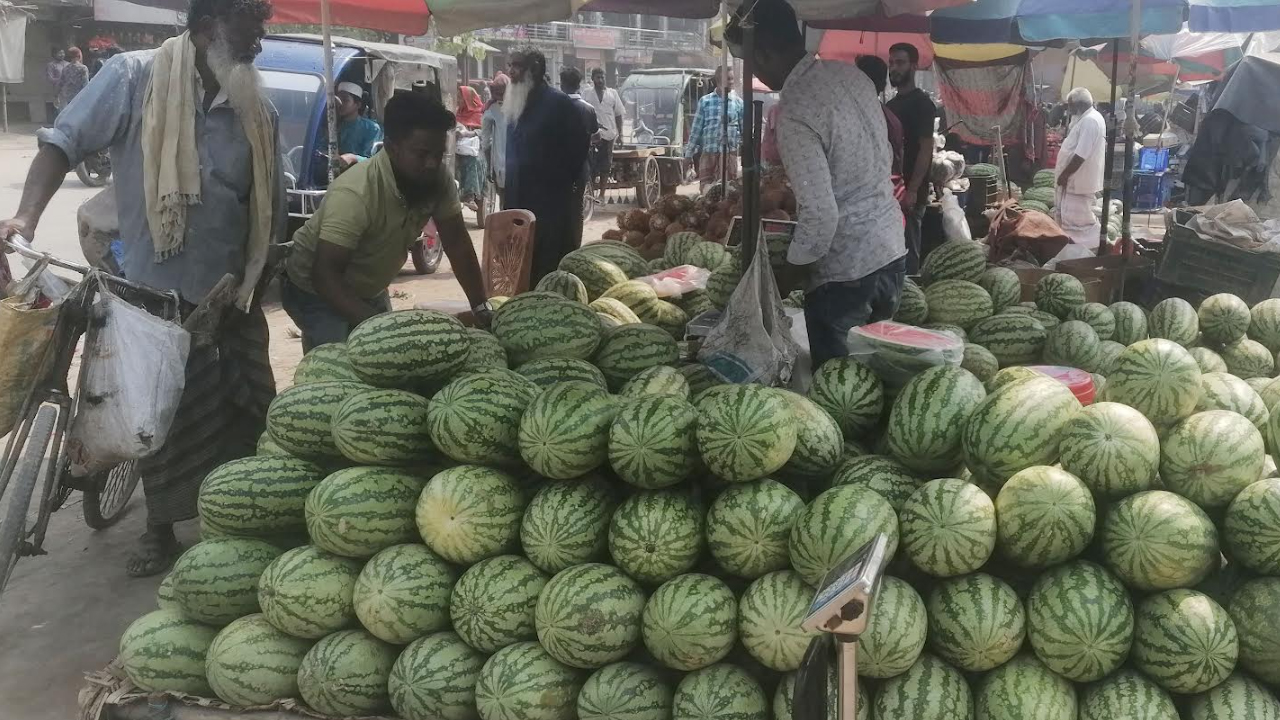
(483, 313)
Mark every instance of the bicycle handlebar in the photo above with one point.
(19, 245)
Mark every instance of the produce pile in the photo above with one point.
(559, 518)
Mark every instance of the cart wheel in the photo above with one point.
(107, 493)
(589, 202)
(649, 189)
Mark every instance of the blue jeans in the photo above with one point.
(833, 309)
(319, 323)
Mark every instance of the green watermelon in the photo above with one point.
(625, 691)
(1080, 621)
(1058, 294)
(1017, 427)
(257, 496)
(976, 622)
(1223, 391)
(564, 431)
(749, 525)
(653, 441)
(307, 592)
(913, 308)
(405, 347)
(300, 419)
(1003, 285)
(492, 603)
(955, 260)
(955, 330)
(1184, 641)
(1158, 378)
(1223, 319)
(628, 350)
(403, 593)
(851, 393)
(1112, 448)
(164, 651)
(523, 682)
(1211, 456)
(948, 528)
(1073, 343)
(656, 534)
(1013, 339)
(476, 417)
(1097, 316)
(486, 352)
(1264, 324)
(165, 599)
(928, 417)
(886, 476)
(435, 679)
(678, 246)
(690, 622)
(618, 253)
(468, 513)
(980, 362)
(769, 617)
(614, 309)
(589, 615)
(819, 440)
(1045, 516)
(383, 427)
(957, 302)
(216, 581)
(1024, 688)
(1157, 540)
(784, 698)
(746, 432)
(1174, 319)
(719, 692)
(540, 324)
(895, 633)
(723, 281)
(567, 524)
(1108, 351)
(1251, 530)
(1249, 359)
(597, 274)
(346, 674)
(657, 380)
(1126, 695)
(662, 314)
(359, 511)
(1047, 319)
(563, 283)
(324, 363)
(1255, 612)
(1270, 390)
(545, 372)
(930, 690)
(266, 446)
(1208, 360)
(252, 663)
(1239, 697)
(836, 523)
(1131, 323)
(700, 378)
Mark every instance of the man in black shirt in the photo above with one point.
(916, 111)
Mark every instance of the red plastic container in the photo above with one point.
(1078, 381)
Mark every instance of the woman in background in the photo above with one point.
(470, 164)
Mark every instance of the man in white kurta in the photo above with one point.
(1080, 170)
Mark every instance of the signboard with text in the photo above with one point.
(595, 37)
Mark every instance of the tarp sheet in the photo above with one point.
(13, 43)
(981, 95)
(1252, 92)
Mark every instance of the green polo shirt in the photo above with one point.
(365, 212)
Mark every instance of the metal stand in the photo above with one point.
(848, 676)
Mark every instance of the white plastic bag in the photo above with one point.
(49, 285)
(133, 380)
(954, 224)
(677, 281)
(898, 352)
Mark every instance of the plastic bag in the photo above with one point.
(954, 224)
(50, 285)
(898, 352)
(133, 380)
(27, 322)
(677, 281)
(752, 342)
(99, 225)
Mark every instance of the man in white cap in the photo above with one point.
(356, 133)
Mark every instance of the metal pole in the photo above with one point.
(847, 664)
(4, 105)
(750, 166)
(724, 107)
(1109, 161)
(331, 112)
(1130, 129)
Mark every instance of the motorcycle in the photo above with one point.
(427, 251)
(95, 169)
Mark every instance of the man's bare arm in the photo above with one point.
(462, 257)
(47, 172)
(920, 173)
(1072, 166)
(327, 277)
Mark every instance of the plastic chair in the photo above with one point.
(508, 252)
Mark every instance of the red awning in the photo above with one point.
(847, 45)
(406, 17)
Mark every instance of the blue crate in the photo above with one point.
(1153, 160)
(1151, 190)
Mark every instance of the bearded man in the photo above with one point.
(199, 188)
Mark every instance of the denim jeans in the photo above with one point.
(319, 323)
(833, 309)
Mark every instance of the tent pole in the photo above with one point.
(724, 107)
(750, 166)
(330, 112)
(1130, 130)
(1109, 161)
(4, 104)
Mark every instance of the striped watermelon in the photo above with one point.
(948, 528)
(1249, 359)
(435, 679)
(1131, 323)
(486, 352)
(618, 253)
(632, 293)
(976, 622)
(468, 513)
(1239, 697)
(653, 441)
(784, 697)
(1017, 427)
(523, 682)
(1074, 344)
(216, 581)
(1174, 319)
(724, 280)
(564, 432)
(383, 427)
(1264, 324)
(1108, 351)
(665, 315)
(710, 255)
(307, 592)
(545, 372)
(597, 274)
(700, 378)
(300, 419)
(1184, 641)
(1126, 695)
(690, 622)
(1270, 390)
(165, 651)
(1255, 612)
(614, 309)
(886, 476)
(346, 674)
(746, 432)
(930, 690)
(836, 523)
(567, 524)
(625, 691)
(1157, 378)
(564, 283)
(1157, 540)
(257, 496)
(749, 525)
(1013, 339)
(1003, 285)
(1045, 516)
(658, 380)
(656, 534)
(628, 350)
(589, 615)
(267, 446)
(819, 441)
(407, 347)
(1097, 316)
(678, 246)
(955, 260)
(1058, 294)
(955, 330)
(1208, 360)
(1047, 319)
(851, 393)
(1223, 391)
(493, 601)
(1023, 689)
(1223, 319)
(928, 417)
(719, 692)
(769, 617)
(1112, 448)
(957, 302)
(979, 361)
(895, 633)
(1251, 530)
(324, 363)
(535, 325)
(165, 599)
(913, 308)
(476, 417)
(403, 593)
(1080, 621)
(1211, 456)
(359, 511)
(252, 663)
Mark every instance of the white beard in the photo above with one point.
(514, 101)
(239, 80)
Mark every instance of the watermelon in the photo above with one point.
(719, 692)
(913, 308)
(1223, 391)
(1017, 427)
(928, 417)
(589, 615)
(252, 663)
(690, 622)
(492, 604)
(1023, 689)
(662, 314)
(1047, 319)
(618, 253)
(1058, 294)
(769, 617)
(1249, 359)
(406, 347)
(1097, 316)
(895, 633)
(1126, 695)
(567, 524)
(1073, 344)
(653, 442)
(885, 476)
(1003, 285)
(700, 378)
(656, 534)
(1131, 323)
(819, 440)
(957, 302)
(468, 513)
(325, 363)
(476, 417)
(165, 599)
(597, 273)
(723, 281)
(709, 255)
(1108, 351)
(1239, 697)
(948, 527)
(382, 427)
(1013, 339)
(838, 522)
(523, 682)
(1157, 540)
(851, 393)
(1223, 319)
(1112, 449)
(955, 330)
(300, 419)
(1174, 319)
(625, 691)
(403, 593)
(359, 511)
(346, 674)
(955, 260)
(628, 350)
(929, 690)
(266, 446)
(980, 362)
(976, 622)
(1157, 378)
(614, 309)
(539, 324)
(564, 431)
(563, 283)
(1270, 390)
(1211, 456)
(545, 372)
(216, 581)
(746, 432)
(164, 651)
(1264, 324)
(307, 592)
(486, 352)
(1208, 360)
(1080, 621)
(657, 380)
(435, 679)
(1184, 641)
(1255, 612)
(1251, 530)
(678, 246)
(257, 496)
(749, 525)
(1045, 516)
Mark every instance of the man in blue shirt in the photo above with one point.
(707, 142)
(356, 133)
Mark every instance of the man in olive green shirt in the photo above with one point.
(351, 250)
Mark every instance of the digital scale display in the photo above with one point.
(853, 579)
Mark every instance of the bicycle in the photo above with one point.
(37, 440)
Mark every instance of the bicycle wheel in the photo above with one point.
(107, 493)
(26, 475)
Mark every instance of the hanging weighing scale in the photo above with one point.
(840, 610)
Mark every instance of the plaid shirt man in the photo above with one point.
(705, 135)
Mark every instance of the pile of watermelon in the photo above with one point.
(562, 518)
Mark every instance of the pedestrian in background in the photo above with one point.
(73, 78)
(707, 142)
(470, 165)
(493, 136)
(608, 107)
(53, 73)
(917, 112)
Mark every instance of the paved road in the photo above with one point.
(57, 232)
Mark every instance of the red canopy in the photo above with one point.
(406, 17)
(847, 45)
